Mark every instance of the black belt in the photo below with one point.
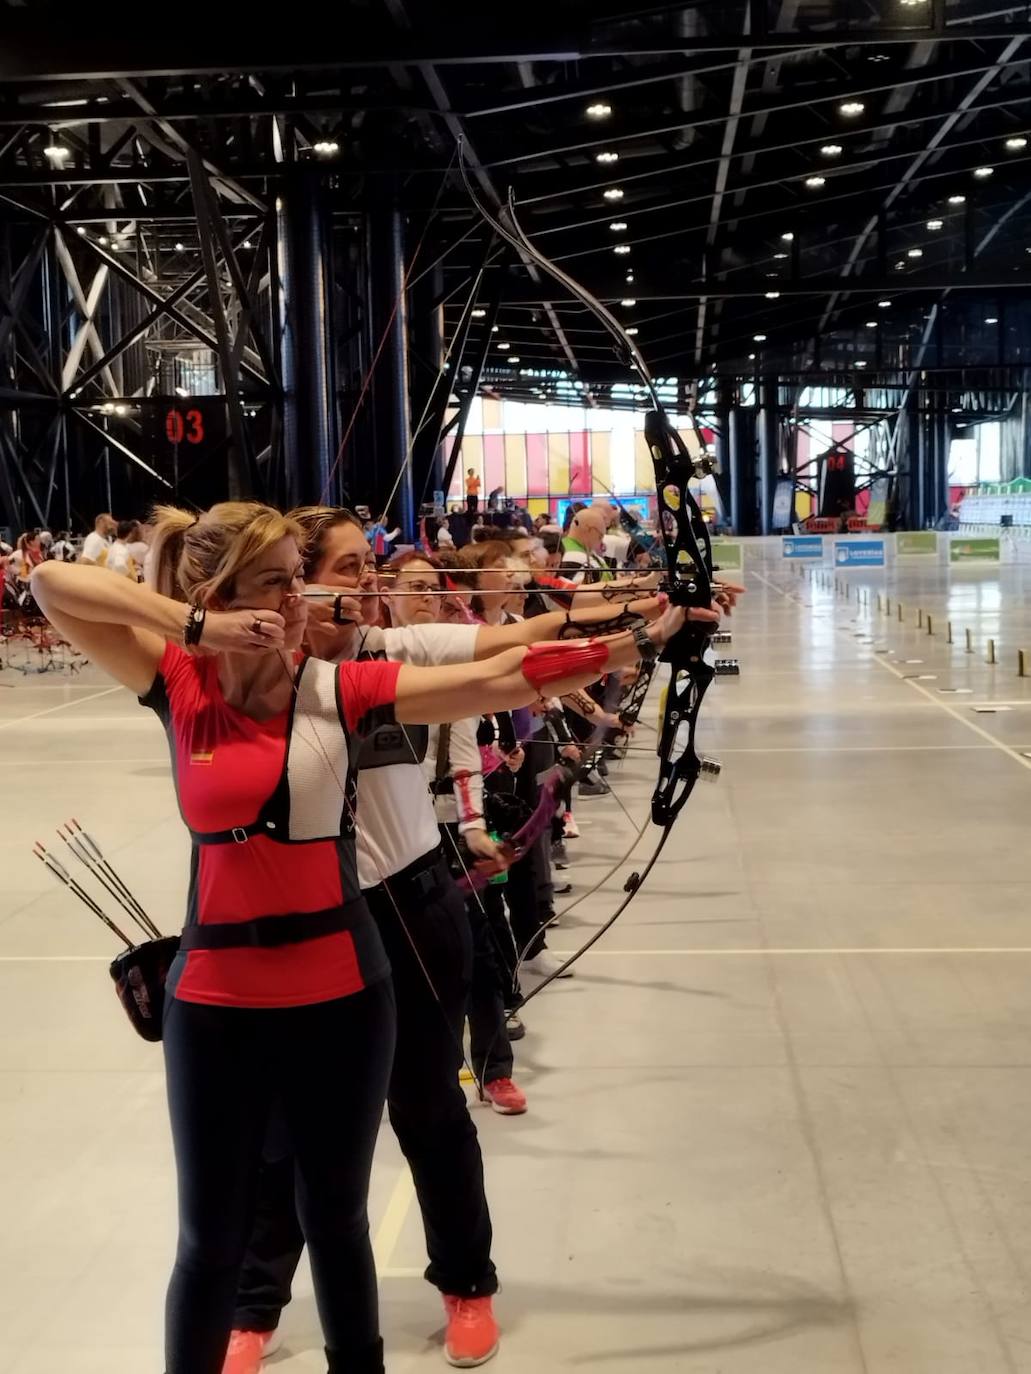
(424, 878)
(239, 834)
(269, 932)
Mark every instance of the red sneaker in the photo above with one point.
(505, 1097)
(247, 1349)
(473, 1335)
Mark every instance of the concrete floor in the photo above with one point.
(778, 1122)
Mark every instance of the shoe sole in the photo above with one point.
(470, 1361)
(505, 1111)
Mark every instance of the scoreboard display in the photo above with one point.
(837, 482)
(185, 440)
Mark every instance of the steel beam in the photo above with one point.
(80, 49)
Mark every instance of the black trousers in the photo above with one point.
(427, 1107)
(327, 1066)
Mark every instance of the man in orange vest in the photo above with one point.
(472, 491)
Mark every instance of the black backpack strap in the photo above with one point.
(268, 932)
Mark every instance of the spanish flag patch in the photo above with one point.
(202, 758)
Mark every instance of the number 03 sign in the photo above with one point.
(184, 426)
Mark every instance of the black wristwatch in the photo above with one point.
(645, 644)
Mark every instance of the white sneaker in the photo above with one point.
(546, 963)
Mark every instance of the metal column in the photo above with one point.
(743, 510)
(309, 416)
(392, 472)
(769, 452)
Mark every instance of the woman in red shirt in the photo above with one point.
(280, 958)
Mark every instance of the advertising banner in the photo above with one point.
(802, 546)
(859, 553)
(909, 543)
(963, 550)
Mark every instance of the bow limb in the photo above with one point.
(688, 557)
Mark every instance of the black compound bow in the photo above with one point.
(685, 536)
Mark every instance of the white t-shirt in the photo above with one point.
(95, 548)
(396, 819)
(617, 547)
(63, 551)
(120, 560)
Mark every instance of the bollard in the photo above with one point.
(991, 651)
(887, 607)
(930, 626)
(970, 644)
(1021, 664)
(898, 607)
(948, 632)
(919, 619)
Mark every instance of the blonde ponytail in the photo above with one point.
(196, 558)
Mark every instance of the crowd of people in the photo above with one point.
(379, 759)
(120, 545)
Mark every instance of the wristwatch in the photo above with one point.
(645, 644)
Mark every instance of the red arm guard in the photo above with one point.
(546, 663)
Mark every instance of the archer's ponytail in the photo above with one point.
(196, 558)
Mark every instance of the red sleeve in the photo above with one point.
(365, 686)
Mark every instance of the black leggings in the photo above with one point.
(328, 1064)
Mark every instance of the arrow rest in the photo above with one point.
(632, 883)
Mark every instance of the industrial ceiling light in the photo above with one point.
(606, 157)
(614, 193)
(758, 338)
(871, 324)
(983, 173)
(884, 305)
(860, 363)
(780, 257)
(618, 226)
(81, 231)
(180, 391)
(494, 328)
(479, 313)
(180, 247)
(851, 108)
(934, 224)
(102, 240)
(832, 150)
(814, 183)
(632, 331)
(992, 319)
(772, 295)
(957, 200)
(751, 357)
(504, 347)
(57, 154)
(622, 249)
(326, 147)
(513, 360)
(630, 279)
(1017, 143)
(915, 253)
(247, 243)
(599, 110)
(628, 301)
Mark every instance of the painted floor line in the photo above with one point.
(35, 715)
(392, 1222)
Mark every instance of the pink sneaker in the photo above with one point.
(473, 1335)
(505, 1097)
(570, 829)
(247, 1349)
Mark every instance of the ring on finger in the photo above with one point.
(256, 628)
